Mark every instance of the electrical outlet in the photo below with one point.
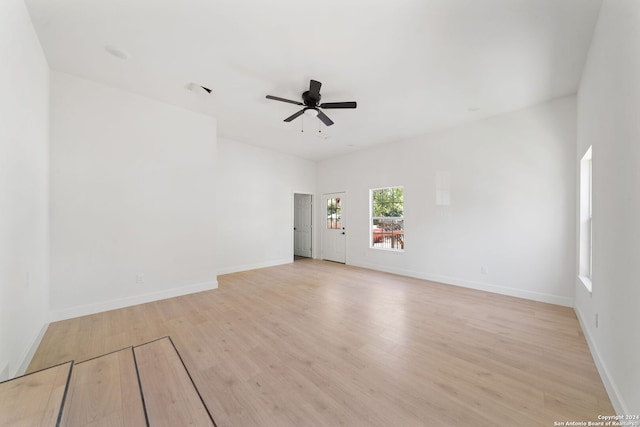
(484, 269)
(140, 278)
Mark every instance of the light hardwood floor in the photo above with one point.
(104, 392)
(170, 397)
(315, 343)
(34, 400)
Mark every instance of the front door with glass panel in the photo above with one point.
(334, 241)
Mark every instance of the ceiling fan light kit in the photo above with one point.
(311, 112)
(311, 103)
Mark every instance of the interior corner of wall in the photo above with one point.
(31, 351)
(4, 371)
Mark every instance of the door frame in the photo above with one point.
(293, 222)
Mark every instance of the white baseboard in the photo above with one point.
(519, 293)
(26, 359)
(246, 267)
(612, 390)
(69, 313)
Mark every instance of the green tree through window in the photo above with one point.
(387, 218)
(388, 202)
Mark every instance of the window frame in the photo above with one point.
(585, 220)
(398, 241)
(334, 219)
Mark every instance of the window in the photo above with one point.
(387, 218)
(586, 191)
(334, 214)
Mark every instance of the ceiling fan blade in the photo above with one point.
(339, 105)
(298, 114)
(276, 98)
(326, 120)
(314, 89)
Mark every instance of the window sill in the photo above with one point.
(387, 249)
(586, 282)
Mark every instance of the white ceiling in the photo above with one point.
(413, 66)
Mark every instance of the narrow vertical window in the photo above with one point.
(334, 213)
(586, 192)
(387, 218)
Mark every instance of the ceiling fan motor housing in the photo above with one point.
(309, 100)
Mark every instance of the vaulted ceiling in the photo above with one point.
(413, 66)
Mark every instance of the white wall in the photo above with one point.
(608, 120)
(255, 190)
(133, 186)
(512, 209)
(24, 169)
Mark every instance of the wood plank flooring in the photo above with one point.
(170, 397)
(35, 399)
(105, 392)
(315, 343)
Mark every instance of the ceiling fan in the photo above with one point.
(311, 99)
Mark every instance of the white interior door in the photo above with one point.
(302, 225)
(334, 243)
